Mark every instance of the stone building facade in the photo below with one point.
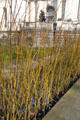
(67, 12)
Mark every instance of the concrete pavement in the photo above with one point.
(68, 108)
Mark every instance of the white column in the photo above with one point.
(79, 11)
(63, 9)
(35, 10)
(59, 11)
(75, 10)
(29, 15)
(71, 10)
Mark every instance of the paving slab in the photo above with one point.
(68, 107)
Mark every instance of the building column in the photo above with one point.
(79, 11)
(59, 11)
(29, 16)
(35, 12)
(63, 9)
